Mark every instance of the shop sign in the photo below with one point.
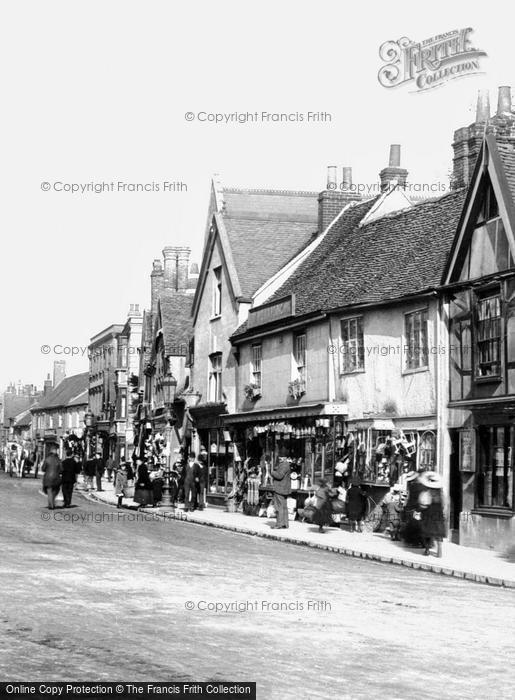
(467, 454)
(282, 308)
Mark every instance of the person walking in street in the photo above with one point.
(356, 505)
(52, 472)
(71, 467)
(202, 483)
(282, 489)
(157, 479)
(323, 515)
(143, 493)
(430, 506)
(121, 482)
(110, 468)
(99, 470)
(411, 530)
(89, 473)
(191, 480)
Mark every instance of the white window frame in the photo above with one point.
(215, 378)
(419, 367)
(360, 358)
(256, 365)
(300, 368)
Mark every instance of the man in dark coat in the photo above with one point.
(282, 489)
(71, 467)
(191, 480)
(202, 482)
(52, 470)
(99, 470)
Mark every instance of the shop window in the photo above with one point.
(255, 370)
(488, 335)
(217, 291)
(352, 350)
(494, 483)
(415, 329)
(215, 377)
(299, 357)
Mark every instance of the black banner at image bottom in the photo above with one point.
(129, 691)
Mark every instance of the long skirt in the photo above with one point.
(323, 515)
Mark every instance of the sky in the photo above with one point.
(97, 92)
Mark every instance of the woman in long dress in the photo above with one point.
(323, 515)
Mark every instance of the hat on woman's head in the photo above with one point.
(410, 476)
(431, 480)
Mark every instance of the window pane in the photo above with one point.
(488, 336)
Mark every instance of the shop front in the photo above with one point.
(312, 437)
(212, 440)
(482, 466)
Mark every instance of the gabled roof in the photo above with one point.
(22, 419)
(174, 311)
(498, 160)
(71, 391)
(402, 254)
(258, 232)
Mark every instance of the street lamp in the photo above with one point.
(169, 389)
(89, 421)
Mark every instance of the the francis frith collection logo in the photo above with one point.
(431, 62)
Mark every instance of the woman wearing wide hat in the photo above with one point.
(411, 531)
(430, 506)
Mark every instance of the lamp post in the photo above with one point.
(169, 388)
(89, 420)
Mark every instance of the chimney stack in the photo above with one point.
(170, 269)
(47, 386)
(393, 175)
(183, 264)
(156, 284)
(331, 177)
(59, 372)
(504, 100)
(467, 140)
(332, 200)
(483, 107)
(346, 179)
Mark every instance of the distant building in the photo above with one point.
(60, 413)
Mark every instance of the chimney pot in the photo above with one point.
(346, 178)
(504, 100)
(395, 156)
(331, 177)
(483, 106)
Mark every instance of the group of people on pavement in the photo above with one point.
(188, 480)
(413, 510)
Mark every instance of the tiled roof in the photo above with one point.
(507, 155)
(281, 205)
(401, 254)
(176, 320)
(66, 393)
(261, 248)
(22, 419)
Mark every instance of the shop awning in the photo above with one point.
(374, 423)
(286, 412)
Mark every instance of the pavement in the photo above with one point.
(469, 563)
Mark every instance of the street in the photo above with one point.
(106, 598)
